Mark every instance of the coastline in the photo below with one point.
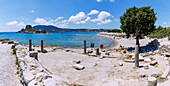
(115, 41)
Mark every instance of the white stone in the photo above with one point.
(120, 64)
(79, 67)
(141, 58)
(152, 81)
(28, 76)
(147, 59)
(50, 82)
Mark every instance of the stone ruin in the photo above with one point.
(151, 46)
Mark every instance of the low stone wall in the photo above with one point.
(31, 71)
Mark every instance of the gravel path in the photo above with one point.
(8, 75)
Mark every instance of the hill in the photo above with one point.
(29, 29)
(50, 28)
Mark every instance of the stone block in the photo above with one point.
(78, 67)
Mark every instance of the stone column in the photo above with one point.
(136, 56)
(42, 46)
(30, 45)
(97, 51)
(84, 46)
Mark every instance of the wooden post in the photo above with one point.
(42, 46)
(97, 51)
(30, 45)
(84, 46)
(136, 56)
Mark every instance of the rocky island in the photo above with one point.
(30, 29)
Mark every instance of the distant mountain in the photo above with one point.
(29, 29)
(50, 28)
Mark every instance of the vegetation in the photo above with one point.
(115, 31)
(14, 49)
(160, 32)
(139, 22)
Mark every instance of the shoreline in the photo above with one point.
(115, 42)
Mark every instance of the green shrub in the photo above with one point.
(160, 33)
(115, 31)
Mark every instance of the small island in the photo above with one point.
(29, 29)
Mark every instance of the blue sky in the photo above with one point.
(15, 14)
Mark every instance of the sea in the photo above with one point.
(70, 39)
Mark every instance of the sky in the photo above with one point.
(92, 14)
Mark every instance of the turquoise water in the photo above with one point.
(72, 39)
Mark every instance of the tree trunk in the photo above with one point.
(137, 49)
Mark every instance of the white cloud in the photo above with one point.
(40, 20)
(105, 0)
(103, 15)
(77, 17)
(116, 20)
(104, 22)
(12, 23)
(93, 12)
(21, 24)
(32, 11)
(59, 18)
(164, 22)
(87, 19)
(99, 0)
(112, 0)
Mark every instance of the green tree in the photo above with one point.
(139, 22)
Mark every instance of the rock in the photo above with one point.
(152, 81)
(41, 75)
(78, 67)
(90, 51)
(107, 53)
(153, 63)
(143, 75)
(120, 64)
(101, 57)
(40, 69)
(28, 76)
(11, 42)
(104, 50)
(167, 54)
(166, 72)
(34, 54)
(146, 67)
(154, 74)
(141, 58)
(67, 50)
(147, 59)
(50, 82)
(129, 60)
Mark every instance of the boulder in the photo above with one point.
(50, 82)
(141, 58)
(40, 69)
(78, 67)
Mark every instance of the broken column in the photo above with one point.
(84, 46)
(136, 56)
(42, 46)
(30, 45)
(97, 51)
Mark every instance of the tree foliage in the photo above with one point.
(139, 20)
(115, 31)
